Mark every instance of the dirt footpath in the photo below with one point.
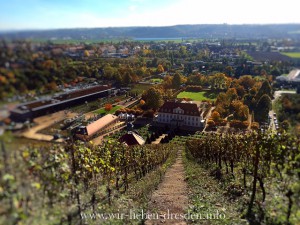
(44, 122)
(170, 201)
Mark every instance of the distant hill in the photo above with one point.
(178, 31)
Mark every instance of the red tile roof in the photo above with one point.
(132, 138)
(190, 109)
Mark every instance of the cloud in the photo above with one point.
(132, 8)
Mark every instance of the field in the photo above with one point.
(112, 111)
(198, 96)
(271, 56)
(295, 55)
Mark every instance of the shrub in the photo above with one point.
(193, 88)
(255, 126)
(108, 107)
(210, 123)
(149, 113)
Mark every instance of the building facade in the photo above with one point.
(31, 110)
(180, 114)
(96, 128)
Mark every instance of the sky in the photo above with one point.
(52, 14)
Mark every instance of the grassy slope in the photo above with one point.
(205, 196)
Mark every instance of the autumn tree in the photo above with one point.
(219, 81)
(167, 83)
(160, 69)
(86, 53)
(176, 82)
(142, 102)
(231, 94)
(215, 116)
(50, 65)
(52, 86)
(224, 101)
(108, 107)
(240, 111)
(153, 98)
(246, 81)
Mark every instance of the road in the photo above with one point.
(277, 94)
(272, 115)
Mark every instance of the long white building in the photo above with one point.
(180, 114)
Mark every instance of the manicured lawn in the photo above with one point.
(198, 96)
(292, 54)
(112, 111)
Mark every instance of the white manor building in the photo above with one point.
(180, 114)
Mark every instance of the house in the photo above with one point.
(131, 138)
(292, 80)
(43, 106)
(180, 114)
(97, 127)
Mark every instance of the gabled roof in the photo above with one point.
(294, 75)
(190, 109)
(132, 138)
(98, 124)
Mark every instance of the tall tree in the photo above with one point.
(264, 89)
(176, 82)
(160, 69)
(262, 108)
(153, 98)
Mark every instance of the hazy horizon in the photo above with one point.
(65, 14)
(103, 27)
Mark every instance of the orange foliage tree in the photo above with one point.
(108, 107)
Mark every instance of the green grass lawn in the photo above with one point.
(156, 80)
(292, 54)
(112, 111)
(198, 96)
